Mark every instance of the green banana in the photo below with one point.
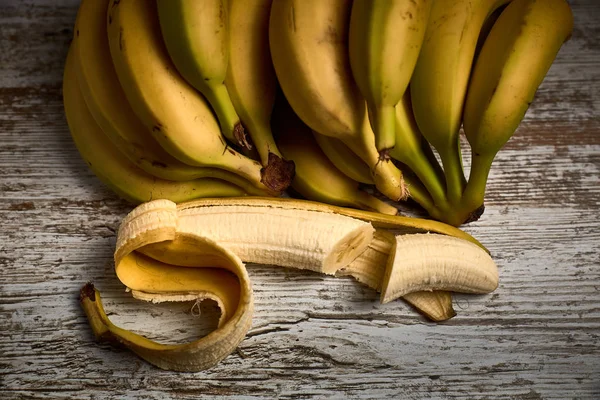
(196, 34)
(513, 62)
(439, 82)
(384, 42)
(112, 168)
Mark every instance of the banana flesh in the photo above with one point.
(420, 262)
(111, 166)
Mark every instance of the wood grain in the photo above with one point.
(536, 337)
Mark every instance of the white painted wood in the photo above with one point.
(536, 337)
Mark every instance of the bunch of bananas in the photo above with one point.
(183, 99)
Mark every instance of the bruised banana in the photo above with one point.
(316, 177)
(513, 62)
(112, 168)
(108, 105)
(196, 34)
(369, 269)
(384, 42)
(439, 82)
(308, 41)
(251, 79)
(176, 114)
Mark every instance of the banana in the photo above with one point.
(112, 168)
(420, 262)
(384, 42)
(344, 159)
(308, 41)
(109, 107)
(196, 34)
(513, 62)
(196, 250)
(439, 82)
(176, 114)
(316, 177)
(250, 77)
(369, 269)
(410, 151)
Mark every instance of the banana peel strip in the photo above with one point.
(160, 258)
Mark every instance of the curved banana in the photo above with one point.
(513, 62)
(439, 82)
(316, 177)
(384, 41)
(308, 40)
(108, 105)
(112, 168)
(410, 151)
(251, 79)
(420, 262)
(177, 115)
(196, 34)
(344, 159)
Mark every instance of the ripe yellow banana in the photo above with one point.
(439, 82)
(251, 79)
(344, 159)
(178, 116)
(316, 177)
(108, 105)
(196, 34)
(112, 168)
(513, 62)
(384, 42)
(308, 40)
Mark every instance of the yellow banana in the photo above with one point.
(251, 79)
(177, 115)
(112, 168)
(513, 62)
(196, 34)
(384, 41)
(109, 107)
(316, 177)
(308, 40)
(344, 159)
(439, 82)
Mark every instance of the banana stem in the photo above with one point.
(475, 190)
(427, 175)
(455, 179)
(384, 127)
(231, 127)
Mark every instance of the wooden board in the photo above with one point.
(536, 337)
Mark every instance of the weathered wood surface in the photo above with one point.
(536, 337)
